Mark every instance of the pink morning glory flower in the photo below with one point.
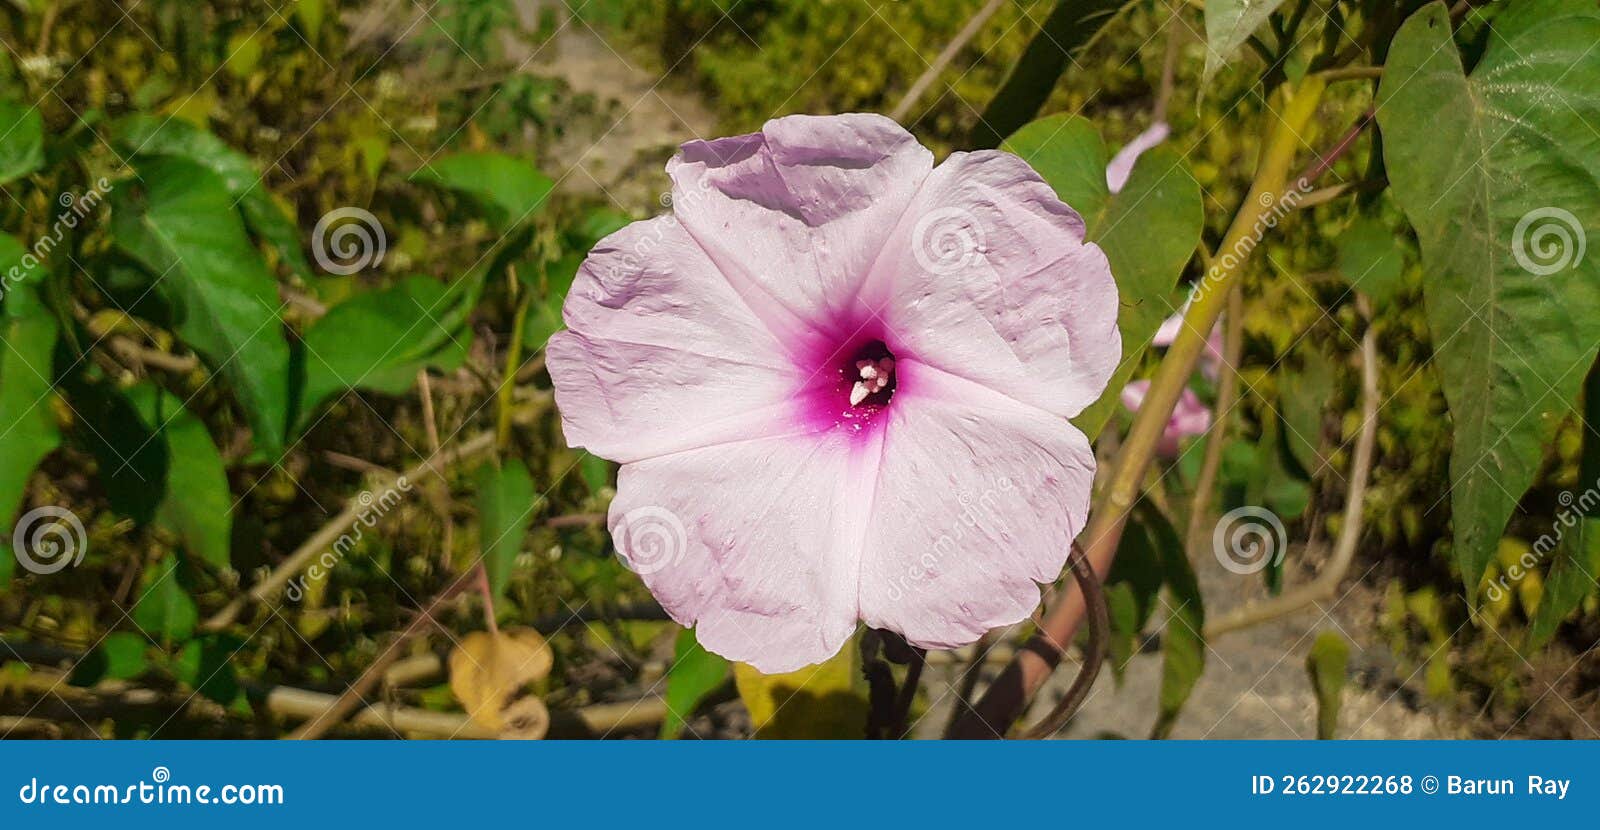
(837, 379)
(1121, 166)
(1210, 359)
(1189, 418)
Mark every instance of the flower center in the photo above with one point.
(871, 375)
(850, 386)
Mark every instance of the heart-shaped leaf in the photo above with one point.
(1499, 172)
(183, 228)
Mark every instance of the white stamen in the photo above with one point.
(875, 376)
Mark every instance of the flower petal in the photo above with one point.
(1121, 166)
(978, 500)
(988, 277)
(755, 544)
(660, 353)
(795, 215)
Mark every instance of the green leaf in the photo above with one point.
(21, 141)
(598, 224)
(1229, 23)
(131, 460)
(506, 505)
(124, 653)
(1070, 25)
(507, 189)
(544, 318)
(1148, 231)
(1126, 627)
(206, 665)
(1133, 588)
(695, 673)
(196, 504)
(1371, 260)
(1571, 577)
(28, 430)
(119, 656)
(151, 137)
(1303, 395)
(1183, 646)
(164, 610)
(310, 14)
(226, 302)
(1504, 209)
(1328, 664)
(1574, 536)
(596, 472)
(380, 340)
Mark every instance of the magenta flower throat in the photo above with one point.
(837, 380)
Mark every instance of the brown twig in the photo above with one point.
(1227, 392)
(1348, 140)
(329, 533)
(1326, 583)
(576, 520)
(440, 493)
(354, 696)
(1352, 73)
(1323, 195)
(354, 464)
(131, 352)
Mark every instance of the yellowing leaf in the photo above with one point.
(487, 671)
(828, 700)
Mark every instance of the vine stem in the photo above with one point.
(1009, 694)
(1227, 392)
(1094, 656)
(1327, 580)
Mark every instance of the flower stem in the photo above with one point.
(502, 431)
(1262, 209)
